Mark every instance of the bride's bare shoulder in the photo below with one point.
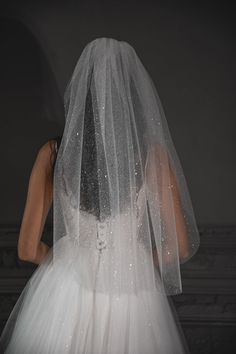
(46, 155)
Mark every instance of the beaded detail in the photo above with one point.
(87, 231)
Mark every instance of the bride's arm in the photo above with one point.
(171, 201)
(181, 227)
(38, 203)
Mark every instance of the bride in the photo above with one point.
(122, 216)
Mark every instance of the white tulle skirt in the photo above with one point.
(55, 314)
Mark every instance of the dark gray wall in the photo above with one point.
(188, 49)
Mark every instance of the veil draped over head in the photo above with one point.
(117, 170)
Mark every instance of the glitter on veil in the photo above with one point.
(117, 167)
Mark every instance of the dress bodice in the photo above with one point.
(88, 231)
(101, 252)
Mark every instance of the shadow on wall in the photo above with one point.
(30, 109)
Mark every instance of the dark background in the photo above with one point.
(189, 50)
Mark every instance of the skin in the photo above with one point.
(40, 197)
(38, 203)
(168, 179)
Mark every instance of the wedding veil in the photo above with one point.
(117, 164)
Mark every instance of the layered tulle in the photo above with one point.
(58, 314)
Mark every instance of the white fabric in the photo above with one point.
(123, 221)
(115, 141)
(58, 314)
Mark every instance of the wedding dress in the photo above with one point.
(59, 312)
(123, 221)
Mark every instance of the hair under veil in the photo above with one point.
(118, 167)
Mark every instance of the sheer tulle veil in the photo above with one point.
(117, 162)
